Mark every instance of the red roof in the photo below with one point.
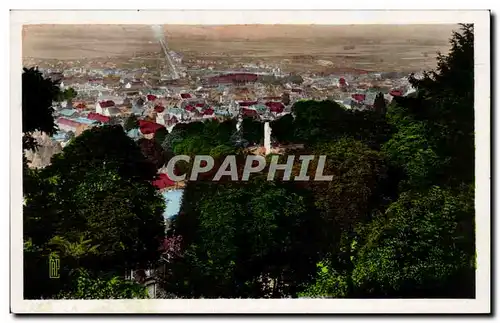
(149, 127)
(200, 105)
(67, 122)
(151, 97)
(396, 93)
(247, 103)
(81, 106)
(234, 77)
(189, 108)
(98, 117)
(359, 97)
(107, 104)
(159, 109)
(163, 181)
(208, 112)
(185, 95)
(275, 106)
(249, 112)
(342, 81)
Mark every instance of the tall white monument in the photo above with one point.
(267, 138)
(238, 125)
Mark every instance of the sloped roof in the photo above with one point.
(107, 104)
(67, 122)
(149, 127)
(208, 112)
(114, 111)
(159, 109)
(275, 106)
(163, 181)
(247, 103)
(249, 112)
(67, 112)
(98, 117)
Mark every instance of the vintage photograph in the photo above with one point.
(249, 161)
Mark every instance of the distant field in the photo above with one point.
(380, 47)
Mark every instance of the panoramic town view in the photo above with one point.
(248, 161)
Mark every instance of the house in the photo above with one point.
(178, 113)
(222, 113)
(98, 117)
(249, 112)
(234, 78)
(247, 103)
(68, 112)
(100, 106)
(163, 181)
(111, 111)
(208, 113)
(276, 107)
(185, 96)
(151, 97)
(149, 128)
(172, 121)
(189, 108)
(67, 124)
(159, 109)
(81, 106)
(396, 93)
(359, 97)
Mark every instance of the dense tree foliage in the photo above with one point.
(95, 207)
(252, 239)
(67, 95)
(252, 131)
(379, 104)
(38, 95)
(89, 287)
(131, 123)
(424, 247)
(153, 152)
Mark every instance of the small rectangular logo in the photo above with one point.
(54, 266)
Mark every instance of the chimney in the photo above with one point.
(267, 138)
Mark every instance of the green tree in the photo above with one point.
(153, 152)
(106, 145)
(193, 145)
(96, 207)
(379, 104)
(443, 110)
(160, 135)
(283, 129)
(38, 95)
(131, 123)
(88, 287)
(253, 239)
(173, 139)
(252, 130)
(67, 95)
(424, 247)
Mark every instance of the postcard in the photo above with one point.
(250, 162)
